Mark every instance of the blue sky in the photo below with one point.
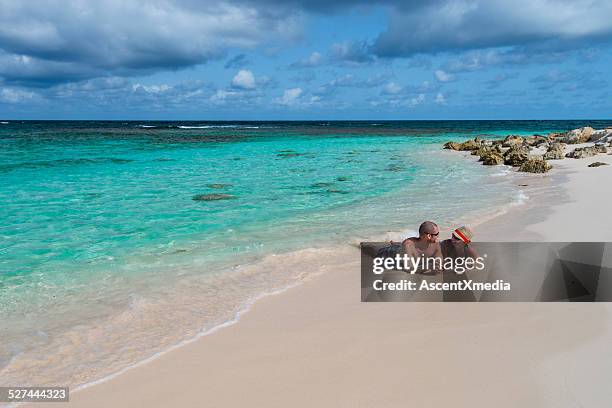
(292, 59)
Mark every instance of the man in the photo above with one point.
(426, 246)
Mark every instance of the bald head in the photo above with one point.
(428, 227)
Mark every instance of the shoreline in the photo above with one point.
(111, 389)
(271, 273)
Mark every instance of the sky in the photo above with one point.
(305, 60)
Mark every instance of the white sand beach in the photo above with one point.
(318, 345)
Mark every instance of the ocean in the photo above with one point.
(119, 240)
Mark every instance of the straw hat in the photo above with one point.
(464, 234)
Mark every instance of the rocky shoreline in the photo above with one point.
(532, 153)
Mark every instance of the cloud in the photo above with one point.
(238, 61)
(221, 95)
(571, 80)
(244, 79)
(442, 76)
(440, 99)
(290, 97)
(350, 81)
(417, 100)
(499, 79)
(315, 59)
(15, 96)
(61, 40)
(352, 52)
(457, 25)
(116, 93)
(392, 88)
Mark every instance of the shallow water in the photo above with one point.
(120, 239)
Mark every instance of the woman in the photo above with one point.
(458, 246)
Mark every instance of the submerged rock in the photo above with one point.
(395, 167)
(289, 154)
(213, 197)
(597, 164)
(535, 165)
(337, 191)
(516, 155)
(556, 151)
(218, 186)
(321, 184)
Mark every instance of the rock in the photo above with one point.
(480, 151)
(492, 158)
(395, 167)
(601, 136)
(321, 184)
(575, 136)
(486, 150)
(337, 191)
(583, 152)
(535, 141)
(213, 197)
(516, 155)
(512, 140)
(597, 164)
(600, 148)
(469, 145)
(535, 165)
(289, 154)
(556, 151)
(452, 145)
(218, 186)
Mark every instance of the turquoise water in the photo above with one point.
(100, 231)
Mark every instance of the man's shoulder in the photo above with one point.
(409, 241)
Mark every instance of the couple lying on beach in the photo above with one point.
(426, 245)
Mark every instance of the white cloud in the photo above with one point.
(244, 79)
(63, 40)
(152, 89)
(453, 25)
(440, 100)
(13, 95)
(312, 61)
(392, 88)
(417, 100)
(222, 95)
(443, 76)
(290, 97)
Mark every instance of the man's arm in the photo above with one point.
(409, 248)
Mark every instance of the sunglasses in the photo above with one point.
(435, 235)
